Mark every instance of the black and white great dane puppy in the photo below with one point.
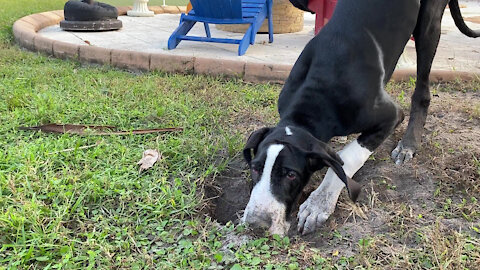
(336, 88)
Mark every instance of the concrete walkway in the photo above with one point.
(456, 52)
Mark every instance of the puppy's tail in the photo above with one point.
(459, 22)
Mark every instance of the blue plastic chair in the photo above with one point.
(252, 12)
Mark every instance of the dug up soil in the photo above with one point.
(438, 188)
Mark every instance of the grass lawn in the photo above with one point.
(62, 206)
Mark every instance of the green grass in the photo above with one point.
(91, 209)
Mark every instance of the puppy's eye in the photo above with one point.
(291, 175)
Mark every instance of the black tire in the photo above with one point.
(301, 4)
(80, 11)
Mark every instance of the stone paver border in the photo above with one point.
(25, 33)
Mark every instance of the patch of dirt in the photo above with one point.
(397, 201)
(229, 193)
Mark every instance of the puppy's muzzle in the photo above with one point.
(258, 220)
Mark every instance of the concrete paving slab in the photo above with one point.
(150, 34)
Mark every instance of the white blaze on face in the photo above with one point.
(262, 202)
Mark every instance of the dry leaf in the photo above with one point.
(149, 158)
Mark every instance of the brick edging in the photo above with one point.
(25, 33)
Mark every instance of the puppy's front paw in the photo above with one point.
(315, 211)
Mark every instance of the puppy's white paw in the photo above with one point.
(315, 210)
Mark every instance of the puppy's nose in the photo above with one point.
(258, 220)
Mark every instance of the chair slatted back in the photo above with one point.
(219, 9)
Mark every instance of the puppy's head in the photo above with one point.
(281, 161)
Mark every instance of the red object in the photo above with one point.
(323, 10)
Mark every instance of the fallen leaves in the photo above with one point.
(148, 160)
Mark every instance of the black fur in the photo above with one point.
(303, 155)
(336, 87)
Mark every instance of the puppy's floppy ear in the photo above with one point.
(322, 155)
(252, 143)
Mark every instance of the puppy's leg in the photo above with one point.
(321, 203)
(427, 35)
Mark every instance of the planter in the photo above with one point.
(140, 9)
(286, 19)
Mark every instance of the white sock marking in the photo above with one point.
(321, 203)
(354, 156)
